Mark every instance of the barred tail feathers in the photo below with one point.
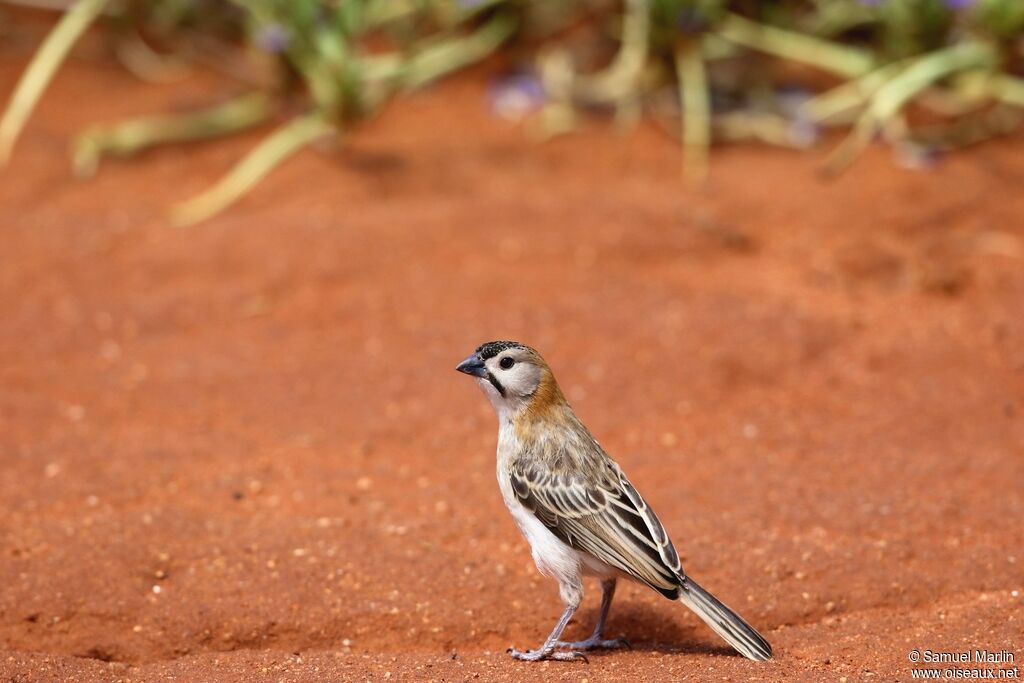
(723, 621)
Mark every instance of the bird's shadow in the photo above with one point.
(648, 629)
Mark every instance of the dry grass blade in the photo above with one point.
(889, 100)
(838, 59)
(39, 73)
(278, 146)
(132, 136)
(695, 107)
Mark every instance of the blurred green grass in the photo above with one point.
(925, 76)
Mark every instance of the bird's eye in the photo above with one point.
(506, 362)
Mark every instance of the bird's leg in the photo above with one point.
(595, 641)
(547, 650)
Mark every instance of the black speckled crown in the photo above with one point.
(492, 349)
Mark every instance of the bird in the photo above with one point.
(578, 511)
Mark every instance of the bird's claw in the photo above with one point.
(550, 653)
(593, 643)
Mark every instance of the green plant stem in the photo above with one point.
(921, 73)
(618, 82)
(617, 85)
(1008, 89)
(383, 74)
(926, 70)
(252, 168)
(145, 63)
(381, 12)
(695, 108)
(964, 94)
(558, 115)
(41, 70)
(970, 129)
(849, 96)
(441, 59)
(765, 127)
(838, 59)
(134, 135)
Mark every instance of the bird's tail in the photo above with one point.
(726, 623)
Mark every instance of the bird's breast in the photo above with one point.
(551, 555)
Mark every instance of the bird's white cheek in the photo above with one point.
(520, 381)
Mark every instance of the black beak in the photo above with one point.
(474, 365)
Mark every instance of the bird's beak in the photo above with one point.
(474, 365)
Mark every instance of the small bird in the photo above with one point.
(577, 509)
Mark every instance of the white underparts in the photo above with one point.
(552, 556)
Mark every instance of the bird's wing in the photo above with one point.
(604, 516)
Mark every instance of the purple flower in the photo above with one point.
(513, 97)
(272, 38)
(917, 156)
(791, 101)
(803, 132)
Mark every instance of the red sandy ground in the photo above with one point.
(818, 385)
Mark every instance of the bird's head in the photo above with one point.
(513, 376)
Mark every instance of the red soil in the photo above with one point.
(240, 451)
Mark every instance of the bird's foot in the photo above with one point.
(595, 643)
(548, 653)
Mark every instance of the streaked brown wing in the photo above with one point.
(604, 516)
